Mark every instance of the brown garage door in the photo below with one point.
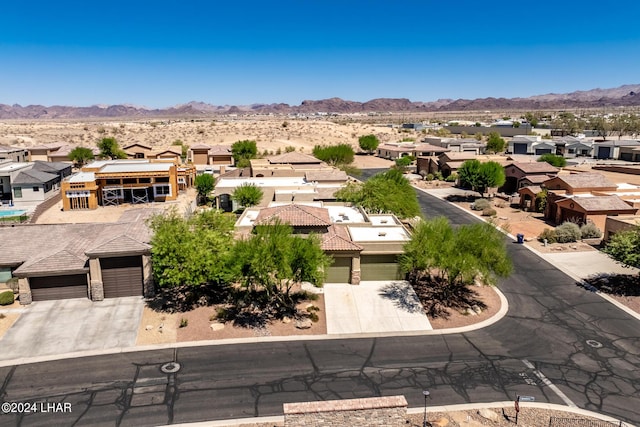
(122, 276)
(58, 287)
(380, 267)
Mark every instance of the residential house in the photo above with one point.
(582, 197)
(571, 147)
(143, 151)
(95, 261)
(216, 156)
(137, 151)
(449, 163)
(363, 247)
(466, 145)
(397, 150)
(292, 177)
(625, 149)
(113, 182)
(15, 154)
(27, 184)
(530, 144)
(519, 174)
(60, 153)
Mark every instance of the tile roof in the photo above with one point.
(60, 261)
(61, 248)
(293, 157)
(337, 239)
(118, 245)
(326, 193)
(326, 175)
(220, 149)
(138, 144)
(535, 167)
(602, 203)
(295, 215)
(200, 147)
(586, 180)
(536, 179)
(52, 167)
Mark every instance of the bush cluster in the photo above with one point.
(489, 212)
(480, 204)
(6, 298)
(570, 232)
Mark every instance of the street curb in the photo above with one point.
(549, 260)
(412, 411)
(504, 308)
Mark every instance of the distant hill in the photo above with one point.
(627, 95)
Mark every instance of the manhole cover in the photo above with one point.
(170, 368)
(594, 343)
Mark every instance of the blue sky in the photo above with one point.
(163, 53)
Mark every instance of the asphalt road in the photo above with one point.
(558, 343)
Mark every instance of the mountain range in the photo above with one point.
(626, 95)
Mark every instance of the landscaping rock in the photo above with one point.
(440, 422)
(304, 324)
(476, 309)
(286, 320)
(216, 326)
(148, 327)
(488, 414)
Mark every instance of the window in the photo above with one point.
(17, 192)
(36, 188)
(162, 179)
(161, 190)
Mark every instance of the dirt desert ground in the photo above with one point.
(270, 134)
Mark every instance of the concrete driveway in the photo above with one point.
(370, 307)
(65, 326)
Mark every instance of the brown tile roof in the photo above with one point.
(601, 203)
(293, 157)
(137, 144)
(326, 193)
(200, 147)
(296, 215)
(61, 248)
(535, 189)
(220, 149)
(586, 180)
(60, 261)
(326, 175)
(118, 245)
(535, 167)
(338, 239)
(536, 179)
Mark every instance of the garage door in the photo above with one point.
(541, 151)
(339, 271)
(58, 287)
(379, 267)
(122, 276)
(604, 152)
(519, 148)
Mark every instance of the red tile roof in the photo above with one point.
(296, 215)
(338, 239)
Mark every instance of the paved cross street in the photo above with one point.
(558, 344)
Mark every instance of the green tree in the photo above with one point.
(194, 251)
(495, 144)
(388, 192)
(184, 148)
(80, 156)
(247, 195)
(601, 125)
(110, 149)
(335, 155)
(403, 163)
(243, 151)
(272, 260)
(368, 143)
(451, 259)
(624, 247)
(568, 123)
(204, 186)
(553, 160)
(480, 176)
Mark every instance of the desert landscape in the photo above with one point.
(270, 134)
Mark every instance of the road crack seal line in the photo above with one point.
(549, 384)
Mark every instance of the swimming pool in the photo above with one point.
(11, 212)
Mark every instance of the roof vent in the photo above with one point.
(382, 234)
(383, 221)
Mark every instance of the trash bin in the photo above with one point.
(520, 238)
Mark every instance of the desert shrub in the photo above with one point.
(489, 212)
(438, 176)
(480, 205)
(502, 204)
(429, 177)
(590, 231)
(313, 313)
(549, 235)
(568, 232)
(184, 322)
(452, 178)
(6, 298)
